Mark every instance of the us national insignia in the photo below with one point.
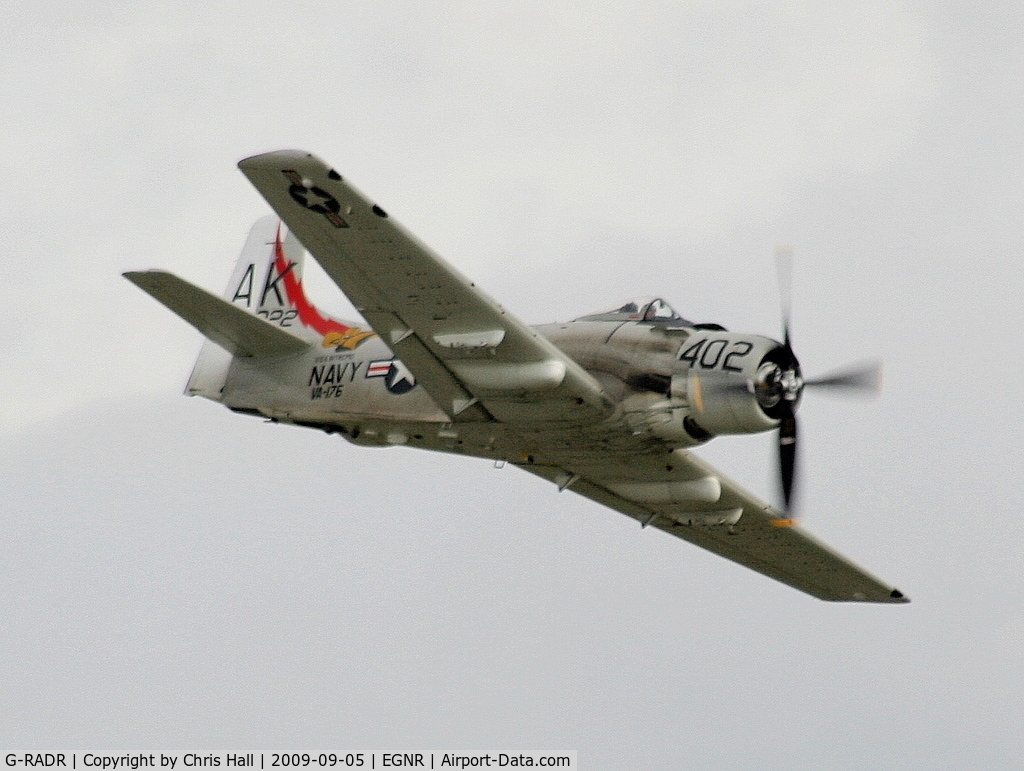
(314, 198)
(397, 377)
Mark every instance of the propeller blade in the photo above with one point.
(784, 274)
(787, 456)
(864, 378)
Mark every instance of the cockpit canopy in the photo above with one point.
(650, 309)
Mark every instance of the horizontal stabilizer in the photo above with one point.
(231, 327)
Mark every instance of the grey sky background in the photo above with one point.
(175, 577)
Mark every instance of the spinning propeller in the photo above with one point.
(780, 384)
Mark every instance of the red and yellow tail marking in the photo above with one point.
(336, 334)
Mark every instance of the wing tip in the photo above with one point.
(147, 278)
(884, 597)
(276, 156)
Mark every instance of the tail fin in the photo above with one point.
(264, 310)
(269, 266)
(268, 281)
(268, 273)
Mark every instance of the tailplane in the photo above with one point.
(263, 312)
(235, 330)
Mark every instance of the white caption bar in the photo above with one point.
(340, 759)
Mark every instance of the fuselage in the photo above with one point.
(368, 396)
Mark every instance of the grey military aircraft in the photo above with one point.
(609, 405)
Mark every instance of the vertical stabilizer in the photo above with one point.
(271, 257)
(270, 262)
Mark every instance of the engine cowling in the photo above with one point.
(722, 383)
(734, 383)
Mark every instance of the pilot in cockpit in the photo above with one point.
(659, 310)
(649, 309)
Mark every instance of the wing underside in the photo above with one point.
(681, 495)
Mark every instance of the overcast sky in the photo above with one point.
(175, 577)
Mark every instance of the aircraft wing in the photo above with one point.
(643, 485)
(471, 355)
(479, 362)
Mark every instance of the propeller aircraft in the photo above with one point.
(608, 405)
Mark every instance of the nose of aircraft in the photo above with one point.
(778, 382)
